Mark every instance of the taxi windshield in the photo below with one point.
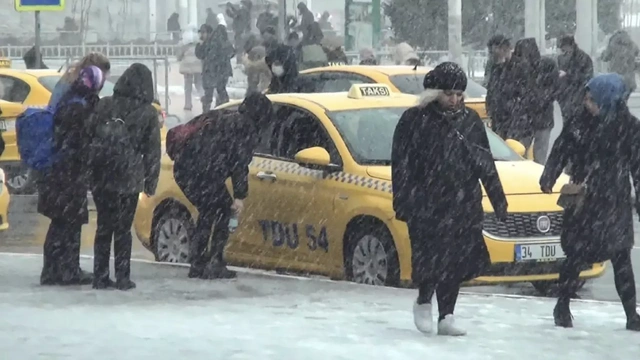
(50, 81)
(368, 134)
(412, 84)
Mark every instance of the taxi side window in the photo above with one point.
(302, 130)
(340, 82)
(13, 90)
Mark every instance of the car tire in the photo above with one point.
(550, 288)
(367, 243)
(172, 231)
(20, 180)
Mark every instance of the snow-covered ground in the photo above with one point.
(263, 316)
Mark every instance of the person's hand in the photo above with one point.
(238, 206)
(562, 73)
(546, 189)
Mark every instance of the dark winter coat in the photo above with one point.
(30, 60)
(222, 149)
(604, 155)
(241, 17)
(437, 160)
(62, 189)
(132, 102)
(506, 92)
(541, 92)
(578, 67)
(288, 82)
(336, 56)
(265, 20)
(216, 54)
(621, 53)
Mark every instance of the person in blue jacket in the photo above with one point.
(61, 88)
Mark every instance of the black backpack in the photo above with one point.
(112, 146)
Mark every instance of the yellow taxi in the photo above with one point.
(28, 88)
(320, 199)
(399, 78)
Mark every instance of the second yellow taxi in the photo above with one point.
(320, 199)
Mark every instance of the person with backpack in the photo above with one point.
(124, 161)
(206, 151)
(63, 178)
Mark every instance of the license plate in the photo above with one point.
(539, 252)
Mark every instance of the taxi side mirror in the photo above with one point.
(516, 146)
(314, 157)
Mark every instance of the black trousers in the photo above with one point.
(622, 274)
(61, 251)
(221, 94)
(211, 234)
(115, 217)
(446, 294)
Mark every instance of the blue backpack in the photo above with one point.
(34, 135)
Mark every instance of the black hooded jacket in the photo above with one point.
(578, 67)
(132, 102)
(222, 148)
(540, 86)
(288, 82)
(31, 62)
(216, 54)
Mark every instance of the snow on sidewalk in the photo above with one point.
(260, 316)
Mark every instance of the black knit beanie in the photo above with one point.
(446, 76)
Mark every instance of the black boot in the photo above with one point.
(217, 270)
(195, 272)
(562, 314)
(125, 284)
(50, 274)
(103, 284)
(77, 277)
(633, 322)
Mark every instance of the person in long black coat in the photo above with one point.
(116, 184)
(601, 144)
(507, 89)
(216, 53)
(222, 148)
(539, 97)
(62, 189)
(575, 70)
(440, 152)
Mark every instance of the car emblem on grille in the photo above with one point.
(543, 224)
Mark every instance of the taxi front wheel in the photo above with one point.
(371, 257)
(172, 232)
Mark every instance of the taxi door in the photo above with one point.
(295, 221)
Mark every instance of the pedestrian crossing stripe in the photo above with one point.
(338, 176)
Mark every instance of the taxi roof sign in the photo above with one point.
(360, 91)
(39, 5)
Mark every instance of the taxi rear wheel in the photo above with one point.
(171, 236)
(371, 257)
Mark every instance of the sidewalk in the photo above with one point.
(262, 316)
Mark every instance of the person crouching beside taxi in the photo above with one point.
(222, 148)
(440, 151)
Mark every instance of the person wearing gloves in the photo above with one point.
(190, 65)
(440, 154)
(222, 148)
(600, 142)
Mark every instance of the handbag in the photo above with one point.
(572, 196)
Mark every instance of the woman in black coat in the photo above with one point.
(62, 189)
(601, 145)
(440, 151)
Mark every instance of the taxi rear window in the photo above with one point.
(412, 84)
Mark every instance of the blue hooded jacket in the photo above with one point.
(61, 88)
(607, 91)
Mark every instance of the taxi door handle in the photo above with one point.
(266, 176)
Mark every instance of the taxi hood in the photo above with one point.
(517, 177)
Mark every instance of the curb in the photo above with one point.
(322, 279)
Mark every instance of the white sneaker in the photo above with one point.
(447, 327)
(423, 317)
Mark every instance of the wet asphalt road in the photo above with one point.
(28, 230)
